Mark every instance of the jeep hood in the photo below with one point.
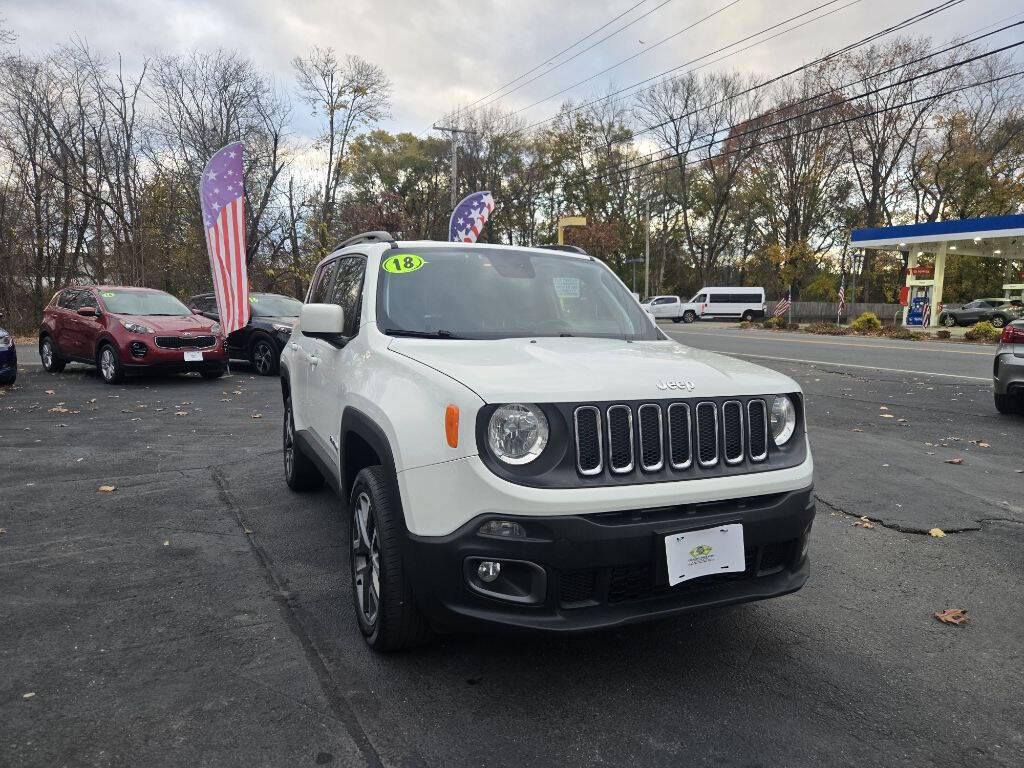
(546, 370)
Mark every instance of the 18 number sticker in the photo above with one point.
(401, 263)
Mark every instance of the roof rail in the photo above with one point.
(569, 248)
(378, 236)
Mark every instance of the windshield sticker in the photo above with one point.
(401, 263)
(567, 287)
(107, 294)
(254, 300)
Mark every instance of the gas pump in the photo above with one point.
(920, 308)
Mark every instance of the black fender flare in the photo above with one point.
(356, 422)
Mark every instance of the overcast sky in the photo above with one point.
(442, 53)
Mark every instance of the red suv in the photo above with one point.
(121, 329)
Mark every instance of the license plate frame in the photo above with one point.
(193, 356)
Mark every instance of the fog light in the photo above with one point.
(488, 571)
(507, 529)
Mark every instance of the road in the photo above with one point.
(200, 613)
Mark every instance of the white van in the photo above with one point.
(734, 303)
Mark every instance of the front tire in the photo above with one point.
(109, 365)
(48, 354)
(384, 602)
(300, 472)
(264, 357)
(999, 320)
(1008, 404)
(689, 316)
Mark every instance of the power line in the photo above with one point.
(910, 21)
(812, 129)
(550, 59)
(578, 53)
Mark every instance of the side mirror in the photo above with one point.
(196, 311)
(323, 321)
(87, 311)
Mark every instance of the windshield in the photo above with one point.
(495, 294)
(142, 303)
(273, 305)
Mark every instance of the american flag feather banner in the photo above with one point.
(842, 298)
(783, 305)
(469, 217)
(222, 195)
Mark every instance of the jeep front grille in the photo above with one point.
(670, 437)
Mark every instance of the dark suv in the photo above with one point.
(997, 311)
(121, 329)
(271, 317)
(8, 357)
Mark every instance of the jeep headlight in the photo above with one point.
(136, 327)
(517, 433)
(783, 419)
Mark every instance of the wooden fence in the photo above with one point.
(814, 311)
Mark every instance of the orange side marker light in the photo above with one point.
(451, 425)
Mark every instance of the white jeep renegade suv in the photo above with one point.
(518, 445)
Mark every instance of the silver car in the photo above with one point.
(1008, 369)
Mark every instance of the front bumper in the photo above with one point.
(8, 363)
(163, 360)
(603, 570)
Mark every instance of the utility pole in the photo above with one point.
(647, 252)
(454, 132)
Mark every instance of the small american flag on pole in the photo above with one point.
(782, 306)
(222, 195)
(469, 217)
(842, 298)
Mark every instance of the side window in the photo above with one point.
(348, 291)
(88, 299)
(322, 282)
(68, 300)
(701, 298)
(720, 298)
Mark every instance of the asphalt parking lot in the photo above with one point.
(199, 613)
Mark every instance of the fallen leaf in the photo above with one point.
(59, 409)
(181, 413)
(237, 392)
(167, 542)
(937, 533)
(1020, 471)
(255, 415)
(857, 429)
(888, 416)
(50, 392)
(247, 531)
(957, 460)
(3, 531)
(28, 695)
(984, 445)
(952, 616)
(883, 408)
(864, 522)
(107, 488)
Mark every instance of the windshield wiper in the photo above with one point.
(439, 334)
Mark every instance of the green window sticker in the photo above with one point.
(401, 263)
(254, 300)
(107, 294)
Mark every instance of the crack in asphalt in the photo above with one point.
(898, 527)
(291, 610)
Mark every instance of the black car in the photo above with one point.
(271, 317)
(997, 311)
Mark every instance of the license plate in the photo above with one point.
(693, 554)
(193, 357)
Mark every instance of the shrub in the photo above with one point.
(898, 332)
(983, 331)
(746, 324)
(827, 329)
(775, 322)
(867, 323)
(792, 326)
(943, 334)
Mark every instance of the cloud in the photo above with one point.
(444, 53)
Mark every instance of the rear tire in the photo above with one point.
(1009, 404)
(385, 606)
(948, 320)
(300, 472)
(999, 320)
(50, 356)
(748, 317)
(109, 365)
(689, 316)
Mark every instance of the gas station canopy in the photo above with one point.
(997, 237)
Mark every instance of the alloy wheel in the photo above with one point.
(262, 358)
(289, 442)
(365, 559)
(46, 352)
(108, 366)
